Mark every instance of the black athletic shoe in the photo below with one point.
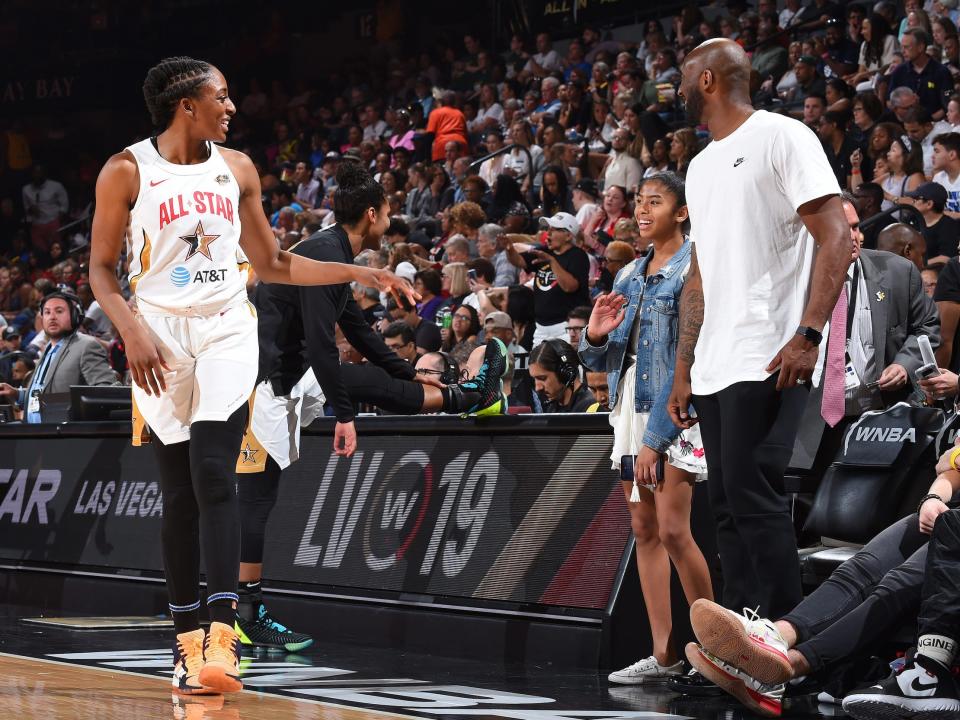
(923, 690)
(693, 683)
(489, 381)
(265, 632)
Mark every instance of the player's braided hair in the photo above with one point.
(168, 82)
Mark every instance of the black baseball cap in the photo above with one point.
(587, 186)
(10, 332)
(807, 60)
(934, 192)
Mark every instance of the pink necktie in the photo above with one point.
(832, 406)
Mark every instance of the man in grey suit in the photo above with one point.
(69, 358)
(888, 311)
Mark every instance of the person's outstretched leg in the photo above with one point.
(862, 597)
(480, 395)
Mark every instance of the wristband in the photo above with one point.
(928, 496)
(953, 457)
(855, 171)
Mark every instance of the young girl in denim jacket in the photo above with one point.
(632, 335)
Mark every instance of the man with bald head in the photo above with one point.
(903, 240)
(771, 251)
(888, 312)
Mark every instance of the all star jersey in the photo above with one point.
(185, 234)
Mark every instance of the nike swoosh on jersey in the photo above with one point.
(154, 184)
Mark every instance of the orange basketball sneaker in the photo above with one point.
(221, 656)
(187, 663)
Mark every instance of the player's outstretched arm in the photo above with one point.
(117, 188)
(274, 265)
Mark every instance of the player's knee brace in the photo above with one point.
(213, 458)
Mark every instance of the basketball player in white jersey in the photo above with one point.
(192, 341)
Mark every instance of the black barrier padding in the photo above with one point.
(516, 518)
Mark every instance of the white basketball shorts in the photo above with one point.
(213, 367)
(275, 422)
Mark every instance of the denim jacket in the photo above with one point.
(658, 304)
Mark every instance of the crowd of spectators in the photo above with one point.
(536, 232)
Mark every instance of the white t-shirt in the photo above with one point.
(495, 111)
(624, 170)
(754, 253)
(953, 190)
(375, 131)
(99, 323)
(549, 61)
(584, 214)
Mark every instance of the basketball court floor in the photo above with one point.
(51, 671)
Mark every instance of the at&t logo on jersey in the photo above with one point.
(181, 276)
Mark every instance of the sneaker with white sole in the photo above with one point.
(826, 698)
(646, 671)
(761, 698)
(748, 642)
(924, 690)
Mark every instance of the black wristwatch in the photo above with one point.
(814, 336)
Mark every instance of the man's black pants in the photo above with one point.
(749, 430)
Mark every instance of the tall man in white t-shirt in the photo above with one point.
(771, 250)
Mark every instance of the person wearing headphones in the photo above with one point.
(439, 365)
(555, 369)
(68, 359)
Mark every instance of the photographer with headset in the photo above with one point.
(70, 358)
(555, 369)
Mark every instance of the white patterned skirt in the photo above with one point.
(686, 452)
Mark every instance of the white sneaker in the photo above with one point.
(645, 671)
(748, 641)
(759, 697)
(923, 689)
